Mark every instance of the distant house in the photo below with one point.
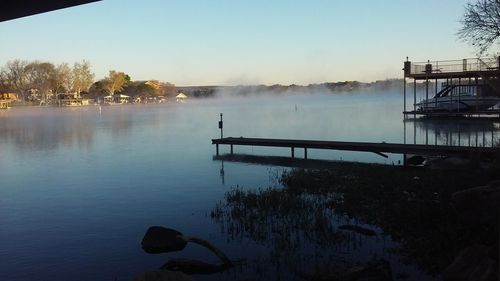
(116, 99)
(70, 99)
(8, 96)
(181, 97)
(6, 99)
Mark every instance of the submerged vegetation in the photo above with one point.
(319, 216)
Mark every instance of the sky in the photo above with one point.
(233, 42)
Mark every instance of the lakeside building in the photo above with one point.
(6, 99)
(181, 97)
(469, 87)
(70, 99)
(116, 99)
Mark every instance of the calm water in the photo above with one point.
(80, 186)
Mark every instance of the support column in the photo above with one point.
(305, 152)
(459, 90)
(414, 98)
(404, 97)
(426, 92)
(293, 152)
(231, 149)
(217, 149)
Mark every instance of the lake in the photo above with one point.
(80, 186)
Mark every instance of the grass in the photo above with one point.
(303, 218)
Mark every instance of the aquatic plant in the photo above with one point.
(323, 213)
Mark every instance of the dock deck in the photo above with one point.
(378, 148)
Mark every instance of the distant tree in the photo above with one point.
(63, 81)
(481, 24)
(140, 89)
(168, 89)
(40, 76)
(82, 77)
(115, 81)
(98, 89)
(15, 78)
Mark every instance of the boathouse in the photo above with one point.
(452, 82)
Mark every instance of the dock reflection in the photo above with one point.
(275, 161)
(484, 132)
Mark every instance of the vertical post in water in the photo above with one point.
(293, 152)
(305, 151)
(404, 98)
(221, 126)
(414, 98)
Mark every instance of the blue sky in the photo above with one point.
(242, 42)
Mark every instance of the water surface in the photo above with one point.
(80, 186)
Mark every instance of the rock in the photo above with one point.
(163, 275)
(159, 239)
(415, 160)
(479, 204)
(472, 264)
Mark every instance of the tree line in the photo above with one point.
(42, 82)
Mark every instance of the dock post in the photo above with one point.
(293, 152)
(305, 152)
(221, 125)
(414, 98)
(426, 92)
(217, 149)
(404, 98)
(231, 149)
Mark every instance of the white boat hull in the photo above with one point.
(464, 103)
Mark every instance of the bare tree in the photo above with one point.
(481, 24)
(82, 77)
(14, 75)
(62, 79)
(40, 76)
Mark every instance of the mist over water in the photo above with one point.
(80, 186)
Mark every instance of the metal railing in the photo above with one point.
(448, 66)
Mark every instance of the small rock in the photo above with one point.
(415, 160)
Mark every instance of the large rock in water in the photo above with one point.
(160, 239)
(479, 204)
(472, 264)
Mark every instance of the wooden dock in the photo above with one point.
(378, 148)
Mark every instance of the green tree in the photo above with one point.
(115, 81)
(481, 24)
(98, 90)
